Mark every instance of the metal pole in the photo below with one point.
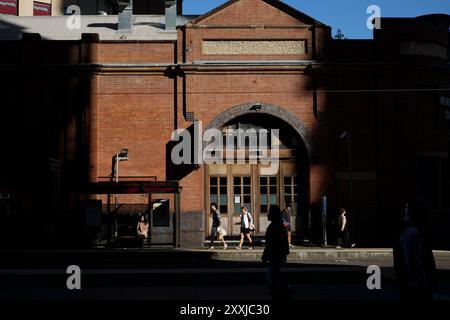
(109, 231)
(117, 168)
(309, 226)
(324, 220)
(115, 198)
(149, 218)
(178, 219)
(350, 169)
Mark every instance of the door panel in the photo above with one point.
(254, 186)
(290, 194)
(161, 221)
(268, 195)
(218, 193)
(242, 196)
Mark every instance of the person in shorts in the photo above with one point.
(246, 227)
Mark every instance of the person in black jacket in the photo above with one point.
(216, 223)
(275, 253)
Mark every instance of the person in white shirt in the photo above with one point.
(246, 227)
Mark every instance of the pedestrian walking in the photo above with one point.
(285, 214)
(343, 235)
(216, 225)
(275, 254)
(246, 227)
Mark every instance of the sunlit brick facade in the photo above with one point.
(80, 101)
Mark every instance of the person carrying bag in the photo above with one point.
(246, 227)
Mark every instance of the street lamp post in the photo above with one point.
(121, 156)
(347, 135)
(324, 220)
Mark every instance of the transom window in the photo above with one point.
(288, 138)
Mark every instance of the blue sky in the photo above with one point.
(348, 15)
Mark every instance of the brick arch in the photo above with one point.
(275, 111)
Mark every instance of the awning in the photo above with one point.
(132, 187)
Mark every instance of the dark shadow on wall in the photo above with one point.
(112, 26)
(46, 114)
(176, 171)
(161, 26)
(10, 31)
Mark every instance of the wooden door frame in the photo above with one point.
(255, 192)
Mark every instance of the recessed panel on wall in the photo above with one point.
(254, 47)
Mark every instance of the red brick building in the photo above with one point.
(363, 122)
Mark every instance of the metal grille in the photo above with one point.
(126, 204)
(121, 213)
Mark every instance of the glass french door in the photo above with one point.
(242, 197)
(234, 186)
(218, 193)
(242, 190)
(291, 192)
(268, 193)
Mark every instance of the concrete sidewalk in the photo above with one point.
(332, 256)
(169, 255)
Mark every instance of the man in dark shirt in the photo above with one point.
(275, 254)
(216, 222)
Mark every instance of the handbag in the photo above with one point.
(251, 226)
(221, 231)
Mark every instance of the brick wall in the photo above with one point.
(134, 112)
(251, 12)
(136, 52)
(192, 229)
(135, 108)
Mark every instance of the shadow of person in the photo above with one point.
(414, 263)
(275, 255)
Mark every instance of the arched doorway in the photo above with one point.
(258, 185)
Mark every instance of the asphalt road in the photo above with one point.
(201, 275)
